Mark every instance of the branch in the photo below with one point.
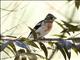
(12, 38)
(77, 39)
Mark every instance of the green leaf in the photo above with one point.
(16, 57)
(32, 44)
(74, 47)
(65, 31)
(23, 58)
(69, 0)
(40, 56)
(76, 40)
(43, 47)
(77, 3)
(61, 49)
(21, 51)
(1, 42)
(60, 24)
(7, 53)
(33, 33)
(19, 54)
(51, 43)
(31, 56)
(29, 42)
(8, 47)
(67, 24)
(22, 45)
(60, 35)
(70, 27)
(68, 53)
(53, 53)
(4, 45)
(11, 36)
(13, 47)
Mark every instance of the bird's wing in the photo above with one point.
(37, 26)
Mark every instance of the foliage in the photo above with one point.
(77, 3)
(27, 45)
(63, 45)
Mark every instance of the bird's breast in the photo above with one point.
(48, 26)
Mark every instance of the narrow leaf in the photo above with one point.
(32, 44)
(77, 3)
(60, 25)
(32, 56)
(60, 35)
(51, 43)
(24, 58)
(7, 53)
(11, 50)
(78, 47)
(68, 53)
(43, 47)
(71, 27)
(4, 45)
(75, 48)
(61, 49)
(13, 46)
(11, 36)
(33, 33)
(40, 56)
(53, 53)
(17, 57)
(29, 42)
(69, 0)
(21, 44)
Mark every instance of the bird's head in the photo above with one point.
(50, 18)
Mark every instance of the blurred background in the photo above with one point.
(16, 16)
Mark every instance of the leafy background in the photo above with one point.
(16, 16)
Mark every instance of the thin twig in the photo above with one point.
(6, 9)
(44, 40)
(52, 54)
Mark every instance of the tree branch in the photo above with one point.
(77, 39)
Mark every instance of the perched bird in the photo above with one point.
(43, 27)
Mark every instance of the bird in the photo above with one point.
(44, 26)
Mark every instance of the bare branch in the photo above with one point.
(77, 39)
